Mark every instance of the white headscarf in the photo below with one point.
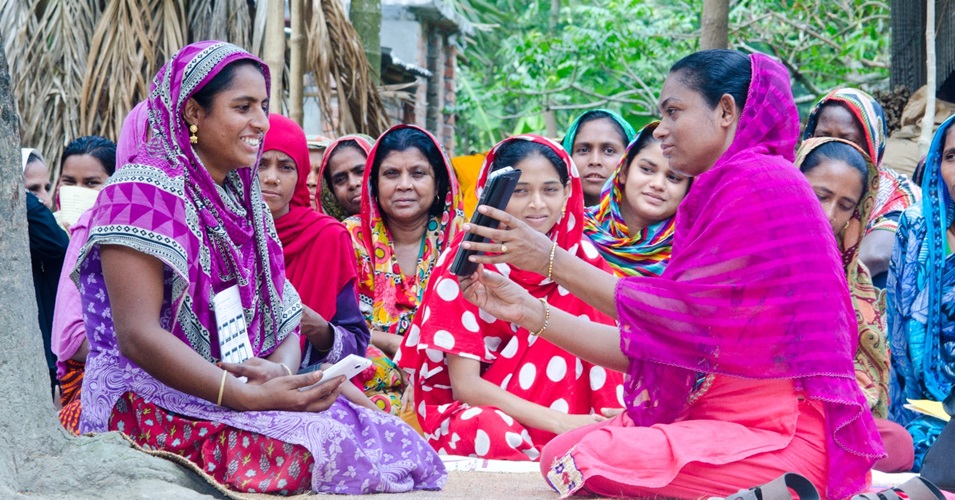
(25, 156)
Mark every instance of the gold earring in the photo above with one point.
(193, 138)
(846, 226)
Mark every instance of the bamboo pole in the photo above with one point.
(297, 64)
(274, 50)
(928, 121)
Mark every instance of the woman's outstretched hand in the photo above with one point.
(527, 248)
(498, 296)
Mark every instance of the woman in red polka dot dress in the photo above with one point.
(488, 388)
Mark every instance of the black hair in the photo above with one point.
(222, 82)
(597, 114)
(33, 156)
(350, 143)
(643, 140)
(101, 148)
(403, 139)
(837, 151)
(515, 151)
(713, 73)
(919, 172)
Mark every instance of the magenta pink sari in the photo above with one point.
(755, 289)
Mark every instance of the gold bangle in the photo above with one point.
(546, 317)
(550, 265)
(221, 388)
(287, 369)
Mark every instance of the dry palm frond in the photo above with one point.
(127, 48)
(17, 18)
(226, 20)
(50, 58)
(168, 30)
(17, 24)
(258, 27)
(337, 60)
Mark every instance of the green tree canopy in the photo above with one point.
(616, 54)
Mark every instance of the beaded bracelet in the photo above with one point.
(550, 265)
(546, 317)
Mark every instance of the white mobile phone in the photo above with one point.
(350, 366)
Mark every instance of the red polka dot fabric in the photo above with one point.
(526, 366)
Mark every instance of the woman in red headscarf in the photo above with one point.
(319, 256)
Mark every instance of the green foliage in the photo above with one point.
(616, 53)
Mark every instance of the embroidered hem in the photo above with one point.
(564, 476)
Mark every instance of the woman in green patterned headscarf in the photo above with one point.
(596, 141)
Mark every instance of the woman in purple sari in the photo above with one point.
(179, 229)
(739, 357)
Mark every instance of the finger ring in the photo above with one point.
(503, 248)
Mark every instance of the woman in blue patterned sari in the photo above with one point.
(921, 296)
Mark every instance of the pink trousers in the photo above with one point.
(739, 434)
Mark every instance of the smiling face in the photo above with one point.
(346, 168)
(231, 130)
(277, 175)
(36, 179)
(597, 149)
(539, 196)
(693, 134)
(406, 186)
(652, 190)
(83, 171)
(838, 122)
(839, 188)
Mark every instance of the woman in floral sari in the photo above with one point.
(857, 117)
(921, 285)
(410, 212)
(846, 184)
(178, 235)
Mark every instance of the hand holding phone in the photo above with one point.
(497, 193)
(349, 366)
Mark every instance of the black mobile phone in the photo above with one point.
(497, 193)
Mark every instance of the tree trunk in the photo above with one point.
(296, 71)
(275, 51)
(37, 457)
(715, 25)
(928, 121)
(365, 16)
(550, 117)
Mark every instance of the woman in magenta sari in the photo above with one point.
(739, 358)
(178, 227)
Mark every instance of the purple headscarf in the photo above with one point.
(755, 289)
(165, 204)
(133, 134)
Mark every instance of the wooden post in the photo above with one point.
(275, 51)
(297, 64)
(928, 121)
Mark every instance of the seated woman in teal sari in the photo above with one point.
(921, 308)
